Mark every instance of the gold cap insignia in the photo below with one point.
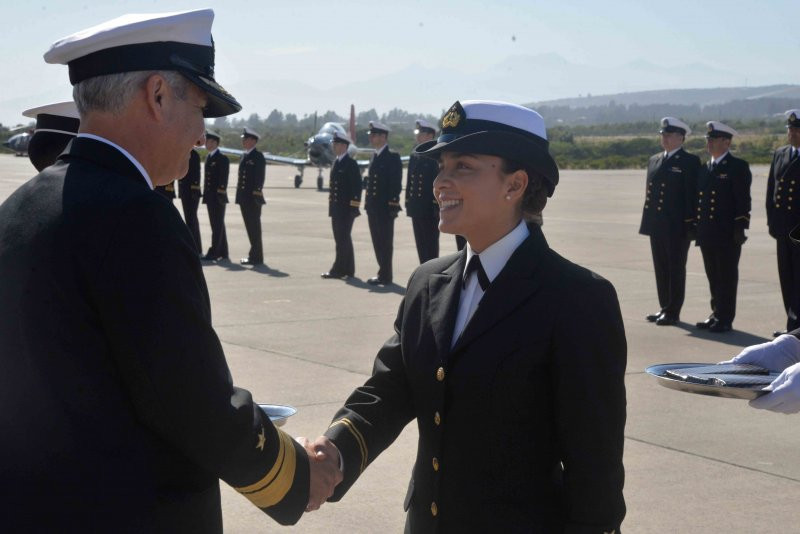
(453, 116)
(262, 439)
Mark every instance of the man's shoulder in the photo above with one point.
(692, 158)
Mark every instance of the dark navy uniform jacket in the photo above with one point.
(422, 172)
(669, 207)
(252, 169)
(384, 183)
(189, 185)
(783, 186)
(215, 188)
(723, 201)
(118, 409)
(520, 422)
(344, 198)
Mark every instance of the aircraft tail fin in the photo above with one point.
(352, 131)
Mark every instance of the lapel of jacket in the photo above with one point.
(787, 162)
(104, 155)
(513, 286)
(444, 292)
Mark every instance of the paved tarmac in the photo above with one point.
(693, 463)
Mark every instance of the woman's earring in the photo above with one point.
(508, 197)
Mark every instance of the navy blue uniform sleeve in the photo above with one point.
(741, 193)
(395, 182)
(374, 414)
(771, 193)
(153, 301)
(589, 381)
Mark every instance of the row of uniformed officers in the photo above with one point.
(709, 203)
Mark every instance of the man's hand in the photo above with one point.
(325, 473)
(785, 395)
(775, 355)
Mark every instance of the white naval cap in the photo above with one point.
(672, 124)
(343, 138)
(59, 117)
(498, 129)
(719, 129)
(249, 132)
(179, 41)
(423, 125)
(792, 118)
(375, 126)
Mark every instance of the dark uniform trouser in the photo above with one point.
(251, 213)
(722, 269)
(219, 241)
(381, 228)
(190, 216)
(426, 235)
(669, 260)
(345, 262)
(789, 274)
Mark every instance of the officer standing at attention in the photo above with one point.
(215, 197)
(249, 196)
(723, 214)
(384, 183)
(420, 204)
(669, 215)
(783, 214)
(189, 192)
(344, 199)
(119, 413)
(56, 125)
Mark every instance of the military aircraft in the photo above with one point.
(19, 143)
(319, 150)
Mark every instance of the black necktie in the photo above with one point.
(475, 265)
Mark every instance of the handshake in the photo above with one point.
(323, 460)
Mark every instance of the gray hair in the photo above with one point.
(111, 93)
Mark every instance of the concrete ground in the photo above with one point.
(693, 463)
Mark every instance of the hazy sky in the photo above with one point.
(325, 44)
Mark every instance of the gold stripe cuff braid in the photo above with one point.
(362, 445)
(355, 204)
(274, 486)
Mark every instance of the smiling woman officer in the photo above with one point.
(510, 357)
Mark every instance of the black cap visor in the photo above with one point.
(506, 145)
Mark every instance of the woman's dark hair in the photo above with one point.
(535, 197)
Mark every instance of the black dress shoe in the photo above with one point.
(719, 326)
(707, 324)
(777, 333)
(333, 275)
(208, 257)
(667, 320)
(248, 261)
(376, 281)
(652, 317)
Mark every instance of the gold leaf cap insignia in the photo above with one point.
(453, 116)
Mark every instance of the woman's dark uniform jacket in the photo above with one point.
(344, 197)
(723, 201)
(118, 409)
(215, 186)
(519, 395)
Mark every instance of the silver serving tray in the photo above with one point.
(278, 413)
(748, 392)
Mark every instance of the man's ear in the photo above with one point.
(155, 95)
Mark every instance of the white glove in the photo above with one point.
(775, 355)
(785, 396)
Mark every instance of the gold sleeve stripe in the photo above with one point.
(745, 217)
(362, 446)
(355, 204)
(271, 489)
(688, 220)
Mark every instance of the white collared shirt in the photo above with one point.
(381, 149)
(669, 154)
(124, 153)
(246, 152)
(212, 152)
(493, 260)
(339, 158)
(714, 160)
